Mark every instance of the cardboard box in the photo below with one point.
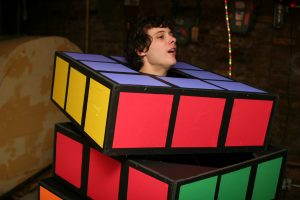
(90, 173)
(125, 112)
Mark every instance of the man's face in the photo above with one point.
(162, 51)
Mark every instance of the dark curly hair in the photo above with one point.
(139, 40)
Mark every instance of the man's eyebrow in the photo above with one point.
(162, 31)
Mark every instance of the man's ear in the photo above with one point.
(140, 53)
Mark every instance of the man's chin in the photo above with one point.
(173, 63)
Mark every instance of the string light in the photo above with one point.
(229, 39)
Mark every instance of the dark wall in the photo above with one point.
(265, 57)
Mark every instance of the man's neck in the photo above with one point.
(157, 71)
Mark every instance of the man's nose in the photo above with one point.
(172, 39)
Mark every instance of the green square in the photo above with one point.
(234, 185)
(266, 179)
(202, 189)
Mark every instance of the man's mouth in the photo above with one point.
(172, 50)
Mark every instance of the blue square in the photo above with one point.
(183, 65)
(108, 67)
(89, 57)
(134, 79)
(236, 86)
(205, 75)
(190, 83)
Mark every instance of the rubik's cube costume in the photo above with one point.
(193, 135)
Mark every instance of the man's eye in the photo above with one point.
(160, 37)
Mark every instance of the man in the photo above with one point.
(151, 46)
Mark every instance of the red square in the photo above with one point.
(103, 177)
(68, 159)
(142, 120)
(198, 121)
(249, 122)
(143, 186)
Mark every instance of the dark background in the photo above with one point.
(264, 56)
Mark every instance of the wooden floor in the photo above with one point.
(292, 172)
(293, 194)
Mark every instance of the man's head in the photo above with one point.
(151, 46)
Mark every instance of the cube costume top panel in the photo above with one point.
(192, 111)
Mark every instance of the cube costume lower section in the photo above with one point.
(90, 173)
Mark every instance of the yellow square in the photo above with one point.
(60, 81)
(96, 113)
(76, 91)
